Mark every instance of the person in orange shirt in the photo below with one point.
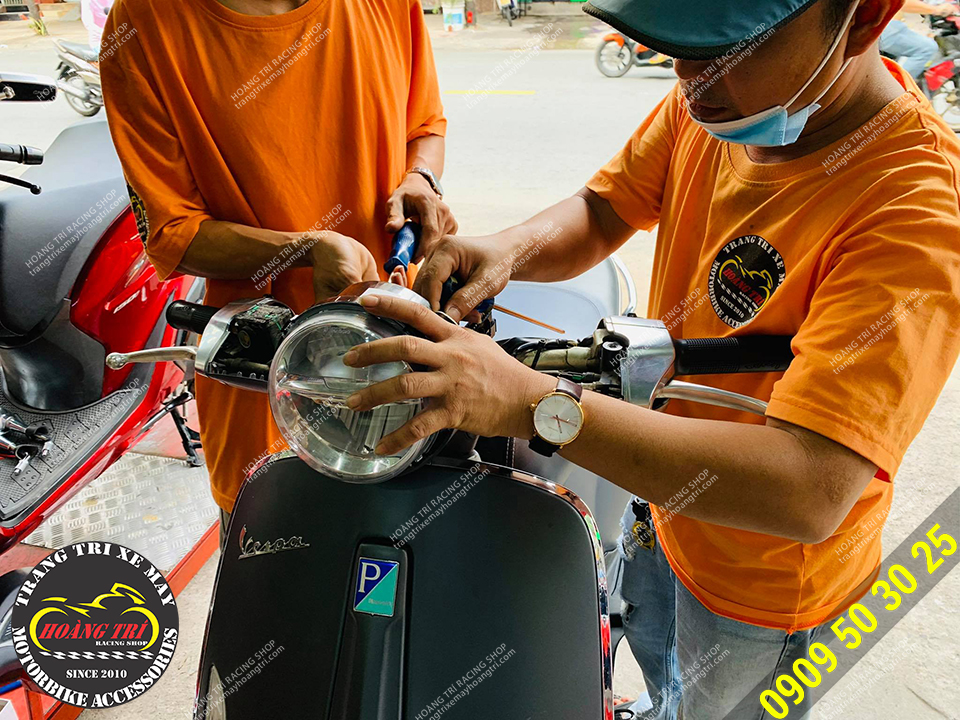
(802, 186)
(272, 146)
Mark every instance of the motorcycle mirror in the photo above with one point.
(22, 87)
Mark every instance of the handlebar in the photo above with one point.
(20, 154)
(194, 317)
(630, 358)
(694, 356)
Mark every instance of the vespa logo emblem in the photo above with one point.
(376, 591)
(250, 547)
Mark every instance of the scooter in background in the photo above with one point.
(78, 76)
(616, 54)
(360, 599)
(75, 285)
(509, 10)
(940, 82)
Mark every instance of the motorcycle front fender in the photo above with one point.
(614, 37)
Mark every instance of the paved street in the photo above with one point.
(550, 122)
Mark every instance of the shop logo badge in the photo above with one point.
(744, 276)
(376, 592)
(95, 625)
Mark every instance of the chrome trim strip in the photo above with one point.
(267, 459)
(621, 267)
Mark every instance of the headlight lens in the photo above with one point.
(309, 385)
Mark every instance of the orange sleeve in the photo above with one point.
(165, 199)
(883, 330)
(633, 181)
(424, 109)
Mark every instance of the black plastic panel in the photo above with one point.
(507, 565)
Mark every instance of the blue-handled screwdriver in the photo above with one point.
(405, 247)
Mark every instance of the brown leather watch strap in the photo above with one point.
(567, 387)
(570, 388)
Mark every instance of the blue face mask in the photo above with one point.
(773, 127)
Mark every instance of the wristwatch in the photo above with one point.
(557, 418)
(427, 173)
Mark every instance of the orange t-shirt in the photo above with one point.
(290, 122)
(853, 250)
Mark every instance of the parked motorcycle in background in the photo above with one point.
(618, 53)
(78, 77)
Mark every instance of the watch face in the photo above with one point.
(557, 418)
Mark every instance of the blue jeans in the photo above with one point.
(689, 654)
(914, 49)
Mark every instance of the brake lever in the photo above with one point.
(692, 392)
(117, 360)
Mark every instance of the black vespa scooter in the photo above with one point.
(441, 582)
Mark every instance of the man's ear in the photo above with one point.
(869, 21)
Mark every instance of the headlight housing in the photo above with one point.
(309, 385)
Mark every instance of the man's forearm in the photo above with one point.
(759, 478)
(230, 251)
(568, 238)
(427, 151)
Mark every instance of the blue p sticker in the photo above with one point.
(376, 587)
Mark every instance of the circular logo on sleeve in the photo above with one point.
(743, 278)
(140, 215)
(95, 625)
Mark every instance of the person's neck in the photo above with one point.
(262, 7)
(868, 90)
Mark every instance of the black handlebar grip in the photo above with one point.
(21, 154)
(190, 316)
(747, 354)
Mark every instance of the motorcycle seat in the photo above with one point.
(85, 52)
(46, 239)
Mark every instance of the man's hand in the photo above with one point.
(482, 264)
(471, 382)
(945, 9)
(338, 261)
(416, 199)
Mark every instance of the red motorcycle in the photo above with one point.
(75, 285)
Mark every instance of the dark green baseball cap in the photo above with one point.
(696, 31)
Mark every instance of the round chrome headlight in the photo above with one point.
(309, 386)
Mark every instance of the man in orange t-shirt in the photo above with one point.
(804, 187)
(252, 130)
